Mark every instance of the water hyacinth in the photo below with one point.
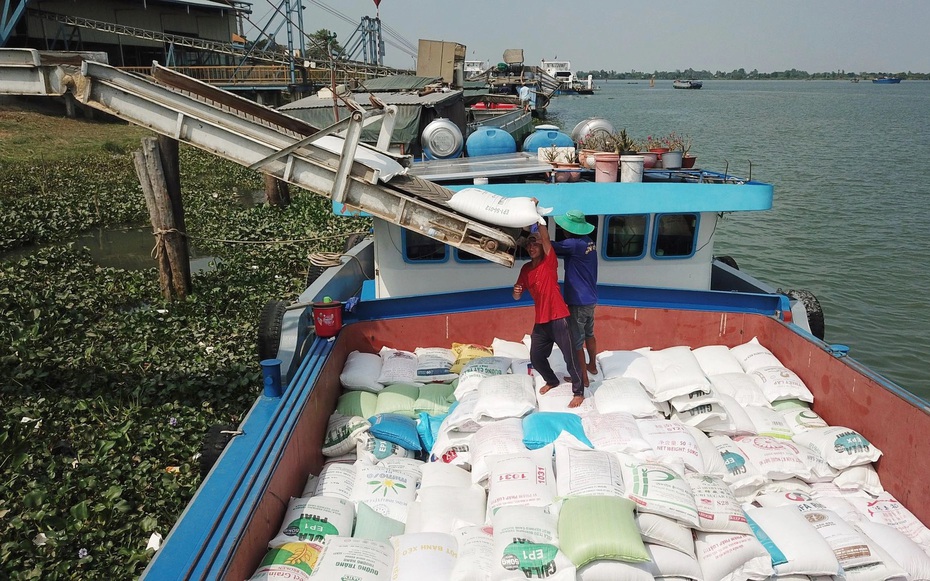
(82, 553)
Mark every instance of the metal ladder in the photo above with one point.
(258, 137)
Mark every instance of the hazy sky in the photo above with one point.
(771, 35)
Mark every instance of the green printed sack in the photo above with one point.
(600, 527)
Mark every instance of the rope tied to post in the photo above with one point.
(159, 247)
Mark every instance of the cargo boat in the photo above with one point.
(647, 297)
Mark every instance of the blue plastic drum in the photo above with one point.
(489, 141)
(546, 136)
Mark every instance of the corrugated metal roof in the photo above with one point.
(200, 4)
(400, 83)
(397, 98)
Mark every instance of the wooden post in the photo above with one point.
(277, 192)
(170, 248)
(168, 151)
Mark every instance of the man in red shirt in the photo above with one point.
(540, 276)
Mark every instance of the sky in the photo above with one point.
(668, 35)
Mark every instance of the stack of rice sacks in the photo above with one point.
(705, 464)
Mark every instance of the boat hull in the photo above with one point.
(886, 81)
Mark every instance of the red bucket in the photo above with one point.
(327, 318)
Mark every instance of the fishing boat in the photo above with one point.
(569, 83)
(885, 80)
(432, 272)
(687, 84)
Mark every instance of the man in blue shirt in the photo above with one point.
(580, 254)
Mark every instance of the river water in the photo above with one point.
(850, 217)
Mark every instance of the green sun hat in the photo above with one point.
(573, 221)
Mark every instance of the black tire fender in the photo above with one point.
(269, 329)
(815, 317)
(353, 240)
(728, 260)
(214, 442)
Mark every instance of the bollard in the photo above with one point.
(271, 371)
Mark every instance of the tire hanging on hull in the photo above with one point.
(814, 311)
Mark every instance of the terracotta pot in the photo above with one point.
(586, 158)
(687, 161)
(564, 172)
(650, 159)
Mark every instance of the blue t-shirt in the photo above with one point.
(580, 256)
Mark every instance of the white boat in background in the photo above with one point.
(687, 84)
(569, 84)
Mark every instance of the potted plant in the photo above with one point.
(594, 142)
(563, 162)
(624, 144)
(687, 160)
(671, 159)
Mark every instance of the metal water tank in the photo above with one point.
(591, 125)
(441, 139)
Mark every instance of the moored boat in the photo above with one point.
(687, 84)
(569, 83)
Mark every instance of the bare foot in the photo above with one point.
(545, 388)
(592, 371)
(576, 401)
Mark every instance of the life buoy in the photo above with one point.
(815, 319)
(269, 329)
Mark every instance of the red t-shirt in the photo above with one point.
(542, 282)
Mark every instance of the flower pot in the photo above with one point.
(650, 159)
(671, 160)
(687, 161)
(606, 166)
(586, 158)
(566, 172)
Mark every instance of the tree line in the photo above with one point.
(743, 74)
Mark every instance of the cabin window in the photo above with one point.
(626, 236)
(420, 248)
(675, 235)
(465, 256)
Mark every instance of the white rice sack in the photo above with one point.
(310, 520)
(659, 490)
(840, 447)
(462, 417)
(802, 501)
(293, 561)
(667, 564)
(476, 370)
(342, 434)
(863, 478)
(848, 544)
(905, 552)
(820, 470)
(452, 447)
(374, 450)
(505, 396)
(497, 438)
(310, 485)
(509, 349)
(735, 423)
(557, 399)
(780, 383)
(441, 507)
(786, 485)
(753, 355)
(624, 394)
(695, 399)
(797, 548)
(442, 474)
(521, 479)
(615, 432)
(701, 415)
(716, 359)
(434, 364)
(336, 480)
(498, 210)
(885, 509)
(416, 554)
(740, 386)
(397, 366)
(718, 509)
(587, 473)
(386, 490)
(677, 372)
(670, 439)
(627, 364)
(768, 422)
(710, 457)
(411, 466)
(476, 548)
(802, 419)
(731, 557)
(668, 532)
(777, 459)
(742, 475)
(353, 558)
(526, 546)
(887, 569)
(361, 371)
